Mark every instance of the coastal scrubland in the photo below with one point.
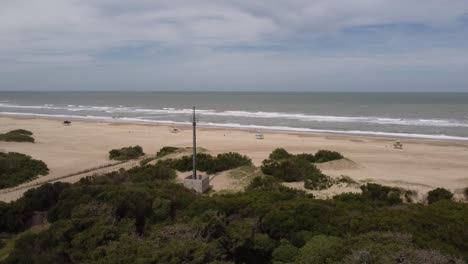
(293, 168)
(422, 165)
(143, 215)
(17, 168)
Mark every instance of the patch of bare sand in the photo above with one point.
(68, 149)
(228, 181)
(342, 164)
(335, 189)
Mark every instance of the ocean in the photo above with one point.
(406, 115)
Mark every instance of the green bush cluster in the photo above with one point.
(142, 216)
(208, 163)
(319, 157)
(264, 183)
(18, 135)
(327, 155)
(126, 153)
(439, 194)
(16, 216)
(17, 168)
(317, 181)
(292, 168)
(380, 193)
(164, 151)
(141, 174)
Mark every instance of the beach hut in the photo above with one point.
(259, 135)
(66, 122)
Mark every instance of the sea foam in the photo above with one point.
(426, 122)
(245, 126)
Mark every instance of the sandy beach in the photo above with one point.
(421, 165)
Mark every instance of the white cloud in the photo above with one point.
(38, 34)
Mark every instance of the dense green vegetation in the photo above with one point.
(319, 157)
(208, 163)
(18, 135)
(142, 216)
(164, 151)
(327, 155)
(439, 194)
(292, 168)
(16, 168)
(17, 215)
(126, 153)
(383, 195)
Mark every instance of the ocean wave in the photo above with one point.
(255, 114)
(248, 127)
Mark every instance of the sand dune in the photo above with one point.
(421, 164)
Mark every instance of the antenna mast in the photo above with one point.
(198, 183)
(194, 122)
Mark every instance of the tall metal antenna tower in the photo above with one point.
(199, 183)
(194, 123)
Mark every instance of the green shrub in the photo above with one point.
(230, 160)
(166, 151)
(269, 166)
(289, 170)
(208, 163)
(327, 155)
(319, 157)
(319, 249)
(21, 132)
(126, 153)
(377, 192)
(295, 169)
(15, 215)
(350, 197)
(263, 183)
(279, 154)
(161, 209)
(146, 160)
(17, 168)
(285, 253)
(151, 172)
(439, 194)
(316, 180)
(18, 135)
(307, 156)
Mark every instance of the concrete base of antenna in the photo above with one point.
(200, 185)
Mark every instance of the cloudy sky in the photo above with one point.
(279, 45)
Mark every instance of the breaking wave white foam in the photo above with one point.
(244, 126)
(148, 112)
